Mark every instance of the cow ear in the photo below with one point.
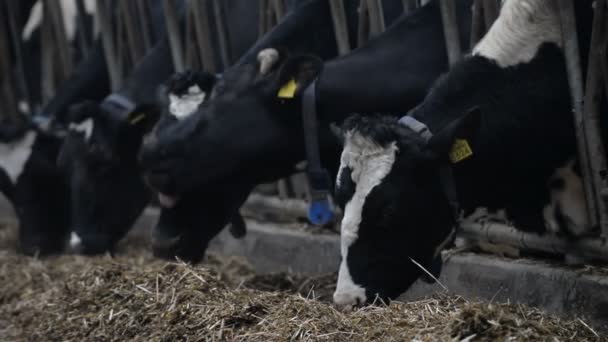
(296, 74)
(455, 141)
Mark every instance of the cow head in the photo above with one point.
(31, 181)
(246, 130)
(242, 136)
(396, 213)
(98, 158)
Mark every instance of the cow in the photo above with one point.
(244, 135)
(494, 134)
(32, 183)
(98, 156)
(39, 191)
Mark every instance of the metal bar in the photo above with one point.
(450, 31)
(222, 32)
(575, 80)
(281, 207)
(203, 35)
(143, 13)
(46, 58)
(376, 17)
(133, 33)
(261, 18)
(340, 25)
(279, 9)
(83, 31)
(498, 233)
(8, 108)
(107, 38)
(591, 113)
(477, 24)
(173, 31)
(363, 28)
(490, 11)
(61, 45)
(192, 57)
(11, 10)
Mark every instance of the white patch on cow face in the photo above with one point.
(266, 60)
(523, 25)
(85, 127)
(571, 201)
(69, 13)
(369, 163)
(14, 155)
(75, 241)
(183, 106)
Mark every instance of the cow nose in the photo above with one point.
(348, 299)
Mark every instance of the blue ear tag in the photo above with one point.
(319, 212)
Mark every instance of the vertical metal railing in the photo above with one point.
(586, 100)
(192, 44)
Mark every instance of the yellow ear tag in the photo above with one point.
(137, 118)
(288, 91)
(460, 151)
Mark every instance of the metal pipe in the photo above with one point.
(83, 32)
(61, 45)
(131, 29)
(376, 17)
(340, 26)
(173, 32)
(143, 13)
(498, 233)
(450, 31)
(203, 35)
(591, 112)
(11, 10)
(107, 39)
(477, 23)
(363, 29)
(490, 11)
(575, 80)
(222, 32)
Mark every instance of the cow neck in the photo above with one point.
(393, 72)
(446, 174)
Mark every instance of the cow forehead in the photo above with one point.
(362, 155)
(369, 164)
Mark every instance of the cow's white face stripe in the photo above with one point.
(69, 13)
(369, 163)
(523, 25)
(85, 127)
(14, 155)
(183, 106)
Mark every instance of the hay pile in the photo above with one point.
(134, 297)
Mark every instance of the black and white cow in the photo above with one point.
(245, 135)
(31, 182)
(500, 120)
(98, 156)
